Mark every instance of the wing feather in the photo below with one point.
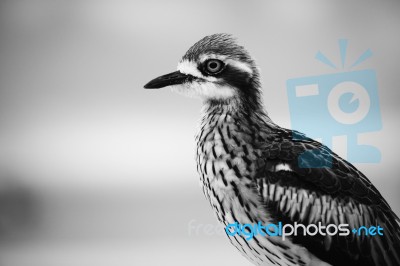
(319, 186)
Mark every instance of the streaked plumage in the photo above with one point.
(252, 170)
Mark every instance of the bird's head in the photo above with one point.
(215, 69)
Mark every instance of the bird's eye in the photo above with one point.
(214, 66)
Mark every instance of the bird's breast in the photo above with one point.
(227, 163)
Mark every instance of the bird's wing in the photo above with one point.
(301, 180)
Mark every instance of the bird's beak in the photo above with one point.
(173, 78)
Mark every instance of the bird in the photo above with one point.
(254, 171)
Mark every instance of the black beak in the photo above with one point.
(168, 79)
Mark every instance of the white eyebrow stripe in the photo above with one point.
(190, 68)
(239, 65)
(205, 57)
(235, 63)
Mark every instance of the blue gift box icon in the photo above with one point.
(339, 104)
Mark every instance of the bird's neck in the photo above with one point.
(233, 125)
(217, 113)
(228, 152)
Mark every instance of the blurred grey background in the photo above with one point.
(95, 170)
